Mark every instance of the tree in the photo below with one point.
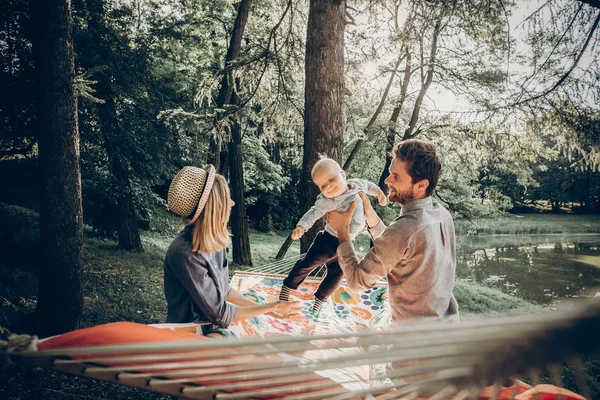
(239, 219)
(107, 54)
(560, 33)
(323, 95)
(442, 47)
(226, 90)
(60, 300)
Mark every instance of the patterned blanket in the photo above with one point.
(345, 311)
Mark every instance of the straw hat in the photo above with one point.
(189, 192)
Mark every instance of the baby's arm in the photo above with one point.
(316, 212)
(374, 190)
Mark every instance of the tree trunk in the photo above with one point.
(239, 219)
(217, 147)
(214, 152)
(424, 84)
(323, 96)
(60, 300)
(115, 143)
(391, 133)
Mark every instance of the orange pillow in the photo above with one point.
(548, 392)
(505, 393)
(115, 333)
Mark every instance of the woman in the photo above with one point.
(196, 273)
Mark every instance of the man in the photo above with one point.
(417, 251)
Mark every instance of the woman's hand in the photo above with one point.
(282, 308)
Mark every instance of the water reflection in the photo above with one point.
(539, 269)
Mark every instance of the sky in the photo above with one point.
(446, 102)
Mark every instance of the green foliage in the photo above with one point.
(19, 234)
(260, 174)
(165, 64)
(17, 76)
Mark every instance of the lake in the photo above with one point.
(543, 269)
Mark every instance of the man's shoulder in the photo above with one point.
(412, 221)
(405, 223)
(443, 211)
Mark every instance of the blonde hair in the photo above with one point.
(210, 232)
(325, 163)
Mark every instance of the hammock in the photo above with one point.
(337, 355)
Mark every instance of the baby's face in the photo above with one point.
(331, 182)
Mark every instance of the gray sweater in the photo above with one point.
(196, 284)
(341, 203)
(417, 255)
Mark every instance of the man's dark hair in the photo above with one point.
(421, 160)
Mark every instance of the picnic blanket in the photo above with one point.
(345, 311)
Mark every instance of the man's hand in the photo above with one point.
(340, 221)
(381, 198)
(298, 232)
(282, 308)
(370, 214)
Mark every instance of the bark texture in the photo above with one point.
(323, 96)
(60, 298)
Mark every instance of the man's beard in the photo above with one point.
(401, 197)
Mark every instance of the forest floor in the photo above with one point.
(121, 286)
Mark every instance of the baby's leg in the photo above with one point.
(329, 284)
(317, 255)
(333, 277)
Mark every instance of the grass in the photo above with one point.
(264, 247)
(122, 286)
(475, 299)
(530, 224)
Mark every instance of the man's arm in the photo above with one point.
(387, 251)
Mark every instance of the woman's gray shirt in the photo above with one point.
(196, 284)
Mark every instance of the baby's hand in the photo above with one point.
(298, 232)
(381, 198)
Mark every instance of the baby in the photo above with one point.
(337, 193)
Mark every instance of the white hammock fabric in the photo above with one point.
(429, 359)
